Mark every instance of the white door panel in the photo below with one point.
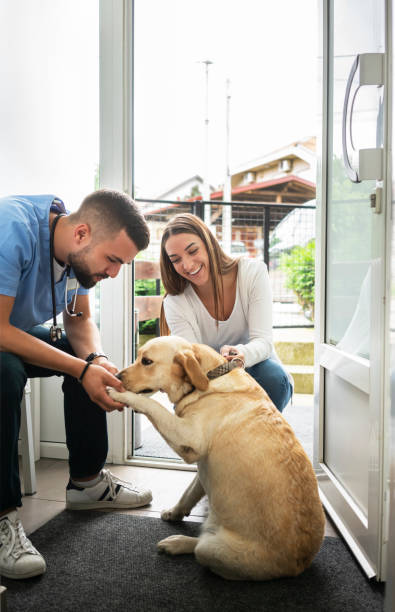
(351, 368)
(346, 436)
(350, 334)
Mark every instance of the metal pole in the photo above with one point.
(206, 184)
(227, 194)
(266, 230)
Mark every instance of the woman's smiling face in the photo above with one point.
(189, 257)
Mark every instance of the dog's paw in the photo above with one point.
(116, 395)
(177, 545)
(127, 398)
(173, 514)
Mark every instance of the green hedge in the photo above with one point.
(298, 265)
(147, 287)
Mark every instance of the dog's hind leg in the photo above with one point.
(178, 545)
(225, 553)
(188, 500)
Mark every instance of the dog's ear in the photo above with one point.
(192, 368)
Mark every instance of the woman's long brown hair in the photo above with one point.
(220, 263)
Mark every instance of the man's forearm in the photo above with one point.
(83, 336)
(35, 351)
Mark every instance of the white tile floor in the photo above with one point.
(166, 485)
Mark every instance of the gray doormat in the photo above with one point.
(106, 562)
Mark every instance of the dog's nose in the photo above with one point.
(119, 375)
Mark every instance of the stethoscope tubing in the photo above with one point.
(55, 330)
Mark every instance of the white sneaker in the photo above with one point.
(110, 492)
(18, 557)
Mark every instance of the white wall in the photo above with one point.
(49, 103)
(49, 121)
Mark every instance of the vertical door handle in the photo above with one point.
(367, 69)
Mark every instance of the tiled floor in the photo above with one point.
(166, 485)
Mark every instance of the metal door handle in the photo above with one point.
(369, 68)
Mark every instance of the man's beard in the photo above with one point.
(81, 270)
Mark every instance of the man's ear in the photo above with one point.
(192, 368)
(82, 234)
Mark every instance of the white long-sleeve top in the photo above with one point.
(249, 326)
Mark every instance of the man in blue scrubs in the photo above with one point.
(48, 261)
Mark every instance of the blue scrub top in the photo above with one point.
(25, 271)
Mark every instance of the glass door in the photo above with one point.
(351, 334)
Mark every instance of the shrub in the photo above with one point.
(146, 287)
(299, 268)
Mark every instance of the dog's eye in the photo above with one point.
(146, 361)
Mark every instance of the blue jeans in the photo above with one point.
(85, 422)
(274, 380)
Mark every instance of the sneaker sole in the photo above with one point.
(104, 504)
(31, 574)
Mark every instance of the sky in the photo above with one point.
(49, 107)
(268, 51)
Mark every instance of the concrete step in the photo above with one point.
(298, 353)
(303, 376)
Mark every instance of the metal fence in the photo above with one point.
(260, 230)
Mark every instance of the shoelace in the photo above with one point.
(112, 481)
(13, 536)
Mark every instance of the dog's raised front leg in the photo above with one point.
(179, 433)
(188, 500)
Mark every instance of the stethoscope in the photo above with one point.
(55, 331)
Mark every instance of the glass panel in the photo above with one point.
(190, 128)
(350, 244)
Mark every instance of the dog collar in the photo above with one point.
(224, 368)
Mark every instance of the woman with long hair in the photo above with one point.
(224, 302)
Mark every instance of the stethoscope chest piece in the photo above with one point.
(55, 333)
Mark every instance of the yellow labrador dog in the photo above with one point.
(265, 517)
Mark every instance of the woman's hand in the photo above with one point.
(232, 353)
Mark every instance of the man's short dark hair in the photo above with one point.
(109, 211)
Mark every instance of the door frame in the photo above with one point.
(354, 519)
(116, 154)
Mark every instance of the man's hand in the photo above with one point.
(105, 363)
(95, 382)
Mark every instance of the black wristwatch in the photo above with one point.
(93, 356)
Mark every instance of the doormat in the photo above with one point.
(108, 562)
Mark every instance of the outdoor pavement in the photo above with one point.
(299, 415)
